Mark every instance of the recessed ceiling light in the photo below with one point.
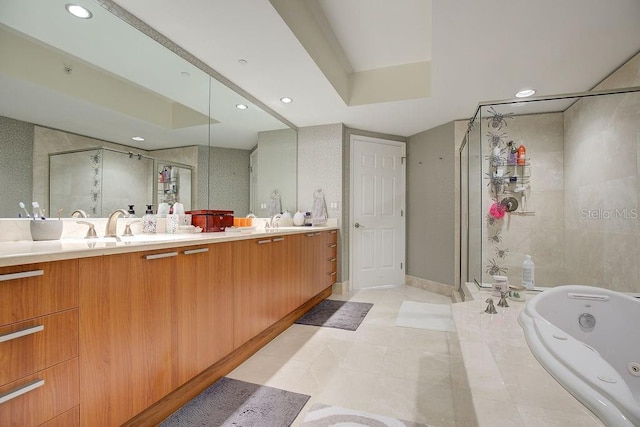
(525, 93)
(138, 138)
(286, 100)
(78, 11)
(241, 107)
(243, 61)
(185, 73)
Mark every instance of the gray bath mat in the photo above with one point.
(320, 415)
(336, 314)
(230, 402)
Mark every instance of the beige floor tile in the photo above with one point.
(380, 368)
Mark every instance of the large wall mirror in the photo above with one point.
(87, 87)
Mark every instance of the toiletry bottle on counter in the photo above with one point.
(149, 221)
(132, 212)
(500, 284)
(527, 272)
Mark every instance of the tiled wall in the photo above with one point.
(540, 234)
(602, 151)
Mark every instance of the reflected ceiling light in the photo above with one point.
(242, 61)
(138, 138)
(286, 100)
(241, 107)
(185, 73)
(78, 11)
(525, 93)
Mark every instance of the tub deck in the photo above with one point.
(508, 386)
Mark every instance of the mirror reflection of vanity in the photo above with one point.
(80, 85)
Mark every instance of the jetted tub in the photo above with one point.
(588, 339)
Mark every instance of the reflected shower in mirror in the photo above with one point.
(69, 84)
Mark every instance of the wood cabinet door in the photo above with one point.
(126, 329)
(203, 308)
(283, 276)
(252, 279)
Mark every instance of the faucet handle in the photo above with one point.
(91, 232)
(127, 229)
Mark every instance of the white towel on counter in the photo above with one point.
(319, 210)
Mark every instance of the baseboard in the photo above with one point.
(341, 288)
(183, 394)
(430, 285)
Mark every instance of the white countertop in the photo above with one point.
(28, 251)
(508, 386)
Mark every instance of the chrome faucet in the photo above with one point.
(112, 222)
(274, 221)
(78, 213)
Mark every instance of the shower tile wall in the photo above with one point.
(540, 235)
(602, 149)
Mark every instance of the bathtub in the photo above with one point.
(588, 339)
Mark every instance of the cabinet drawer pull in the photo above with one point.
(158, 256)
(278, 239)
(196, 251)
(310, 235)
(21, 275)
(333, 245)
(318, 233)
(22, 390)
(333, 231)
(333, 273)
(21, 333)
(262, 242)
(332, 260)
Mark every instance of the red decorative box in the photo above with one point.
(211, 220)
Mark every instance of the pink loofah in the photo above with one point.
(497, 210)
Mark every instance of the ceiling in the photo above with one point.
(399, 66)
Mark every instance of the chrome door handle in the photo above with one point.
(359, 226)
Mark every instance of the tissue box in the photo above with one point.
(211, 220)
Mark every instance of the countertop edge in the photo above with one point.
(65, 249)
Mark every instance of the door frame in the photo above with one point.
(349, 223)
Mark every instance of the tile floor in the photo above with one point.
(411, 374)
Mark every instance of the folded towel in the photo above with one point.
(319, 209)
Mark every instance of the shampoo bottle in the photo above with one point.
(527, 273)
(522, 155)
(512, 154)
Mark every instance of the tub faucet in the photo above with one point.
(112, 222)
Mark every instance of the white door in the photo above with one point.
(377, 206)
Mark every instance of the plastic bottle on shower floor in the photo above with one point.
(527, 272)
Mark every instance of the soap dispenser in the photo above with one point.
(132, 212)
(149, 221)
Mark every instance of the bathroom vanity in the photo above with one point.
(128, 333)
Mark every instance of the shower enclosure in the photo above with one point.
(572, 203)
(101, 180)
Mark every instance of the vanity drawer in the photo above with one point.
(53, 391)
(36, 344)
(71, 418)
(34, 290)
